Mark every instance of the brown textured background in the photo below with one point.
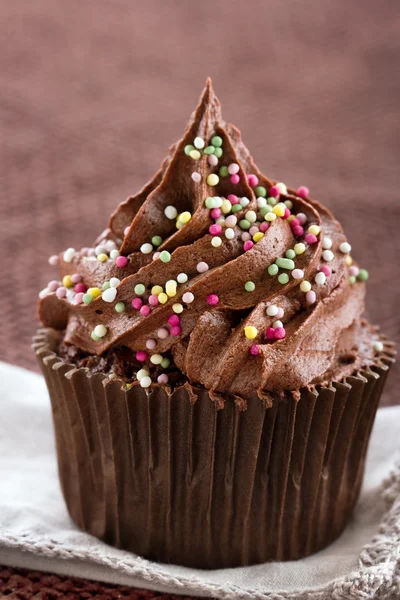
(92, 93)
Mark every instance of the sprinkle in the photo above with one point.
(156, 290)
(114, 254)
(264, 227)
(271, 201)
(251, 216)
(277, 324)
(153, 300)
(280, 333)
(188, 149)
(86, 299)
(273, 270)
(345, 247)
(212, 160)
(211, 202)
(354, 270)
(202, 267)
(261, 202)
(281, 187)
(177, 308)
(236, 208)
(348, 260)
(139, 289)
(156, 359)
(289, 204)
(297, 274)
(209, 150)
(114, 282)
(218, 152)
(121, 261)
(94, 336)
(252, 180)
(320, 278)
(212, 179)
(280, 313)
(195, 155)
(174, 320)
(212, 299)
(279, 209)
(270, 333)
(100, 331)
(352, 279)
(145, 382)
(119, 307)
(254, 350)
(95, 292)
(53, 260)
(311, 238)
(156, 240)
(79, 298)
(162, 379)
(229, 233)
(305, 286)
(145, 310)
(53, 285)
(274, 191)
(233, 199)
(141, 356)
(165, 363)
(142, 373)
(68, 255)
(109, 295)
(215, 213)
(165, 256)
(102, 257)
(314, 229)
(170, 288)
(234, 179)
(249, 286)
(327, 243)
(100, 249)
(325, 269)
(226, 206)
(302, 218)
(298, 230)
(250, 332)
(257, 237)
(244, 224)
(377, 346)
(285, 263)
(245, 236)
(217, 141)
(146, 248)
(151, 344)
(182, 278)
(283, 278)
(215, 229)
(216, 242)
(44, 292)
(328, 255)
(137, 303)
(162, 298)
(175, 331)
(170, 212)
(260, 191)
(184, 217)
(199, 143)
(311, 297)
(76, 278)
(233, 168)
(66, 281)
(363, 275)
(290, 253)
(106, 285)
(248, 245)
(303, 191)
(188, 297)
(272, 310)
(270, 217)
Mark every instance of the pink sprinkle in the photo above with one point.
(80, 288)
(163, 378)
(202, 267)
(298, 231)
(84, 251)
(264, 227)
(254, 349)
(212, 299)
(215, 213)
(270, 333)
(76, 278)
(92, 252)
(175, 331)
(141, 356)
(151, 344)
(311, 297)
(248, 245)
(196, 177)
(215, 229)
(79, 298)
(126, 230)
(245, 236)
(280, 333)
(303, 191)
(253, 229)
(233, 168)
(287, 213)
(145, 310)
(156, 255)
(294, 222)
(233, 199)
(280, 313)
(137, 303)
(212, 160)
(325, 269)
(353, 270)
(302, 218)
(297, 274)
(121, 261)
(274, 191)
(174, 320)
(162, 333)
(234, 179)
(61, 292)
(252, 180)
(53, 260)
(153, 300)
(53, 285)
(311, 238)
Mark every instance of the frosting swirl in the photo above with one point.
(246, 286)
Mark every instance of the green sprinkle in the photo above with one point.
(236, 208)
(218, 152)
(188, 149)
(209, 150)
(210, 202)
(290, 253)
(271, 201)
(285, 263)
(260, 191)
(119, 307)
(156, 240)
(106, 285)
(264, 210)
(216, 141)
(283, 278)
(165, 363)
(363, 275)
(139, 289)
(224, 171)
(244, 224)
(273, 270)
(94, 336)
(87, 298)
(165, 256)
(249, 286)
(352, 279)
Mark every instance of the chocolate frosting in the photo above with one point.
(211, 347)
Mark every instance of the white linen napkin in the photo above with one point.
(37, 533)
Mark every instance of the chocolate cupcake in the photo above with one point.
(212, 381)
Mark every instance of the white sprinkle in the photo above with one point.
(320, 278)
(114, 281)
(142, 373)
(272, 310)
(282, 188)
(162, 333)
(44, 292)
(110, 245)
(297, 274)
(170, 212)
(327, 243)
(212, 160)
(126, 230)
(231, 221)
(146, 248)
(277, 324)
(280, 313)
(229, 233)
(156, 359)
(328, 255)
(216, 242)
(244, 201)
(53, 260)
(145, 382)
(182, 278)
(70, 294)
(151, 344)
(217, 202)
(198, 143)
(196, 177)
(202, 267)
(100, 330)
(345, 247)
(378, 346)
(114, 254)
(187, 297)
(100, 250)
(69, 255)
(233, 168)
(109, 295)
(261, 202)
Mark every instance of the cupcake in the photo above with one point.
(213, 383)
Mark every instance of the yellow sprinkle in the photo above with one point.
(279, 210)
(177, 308)
(170, 288)
(299, 248)
(184, 217)
(226, 207)
(271, 216)
(67, 281)
(315, 229)
(156, 290)
(156, 359)
(94, 292)
(195, 154)
(102, 257)
(212, 179)
(348, 260)
(305, 286)
(258, 236)
(250, 332)
(162, 298)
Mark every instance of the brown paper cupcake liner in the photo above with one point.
(192, 479)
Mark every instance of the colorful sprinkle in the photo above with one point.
(250, 332)
(216, 141)
(303, 191)
(363, 275)
(272, 310)
(283, 278)
(162, 379)
(53, 260)
(145, 382)
(66, 281)
(151, 344)
(290, 253)
(212, 300)
(285, 263)
(162, 298)
(195, 155)
(248, 245)
(86, 299)
(182, 278)
(249, 286)
(188, 297)
(170, 212)
(102, 257)
(327, 243)
(175, 331)
(121, 261)
(141, 356)
(177, 308)
(174, 320)
(146, 248)
(212, 160)
(252, 180)
(325, 269)
(120, 307)
(233, 169)
(137, 303)
(100, 330)
(69, 255)
(311, 297)
(311, 238)
(234, 179)
(170, 288)
(216, 242)
(145, 310)
(165, 256)
(229, 233)
(297, 274)
(199, 143)
(280, 333)
(320, 278)
(254, 350)
(328, 255)
(273, 270)
(377, 346)
(109, 295)
(314, 229)
(139, 289)
(202, 267)
(212, 179)
(345, 247)
(270, 333)
(305, 286)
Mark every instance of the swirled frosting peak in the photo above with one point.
(212, 270)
